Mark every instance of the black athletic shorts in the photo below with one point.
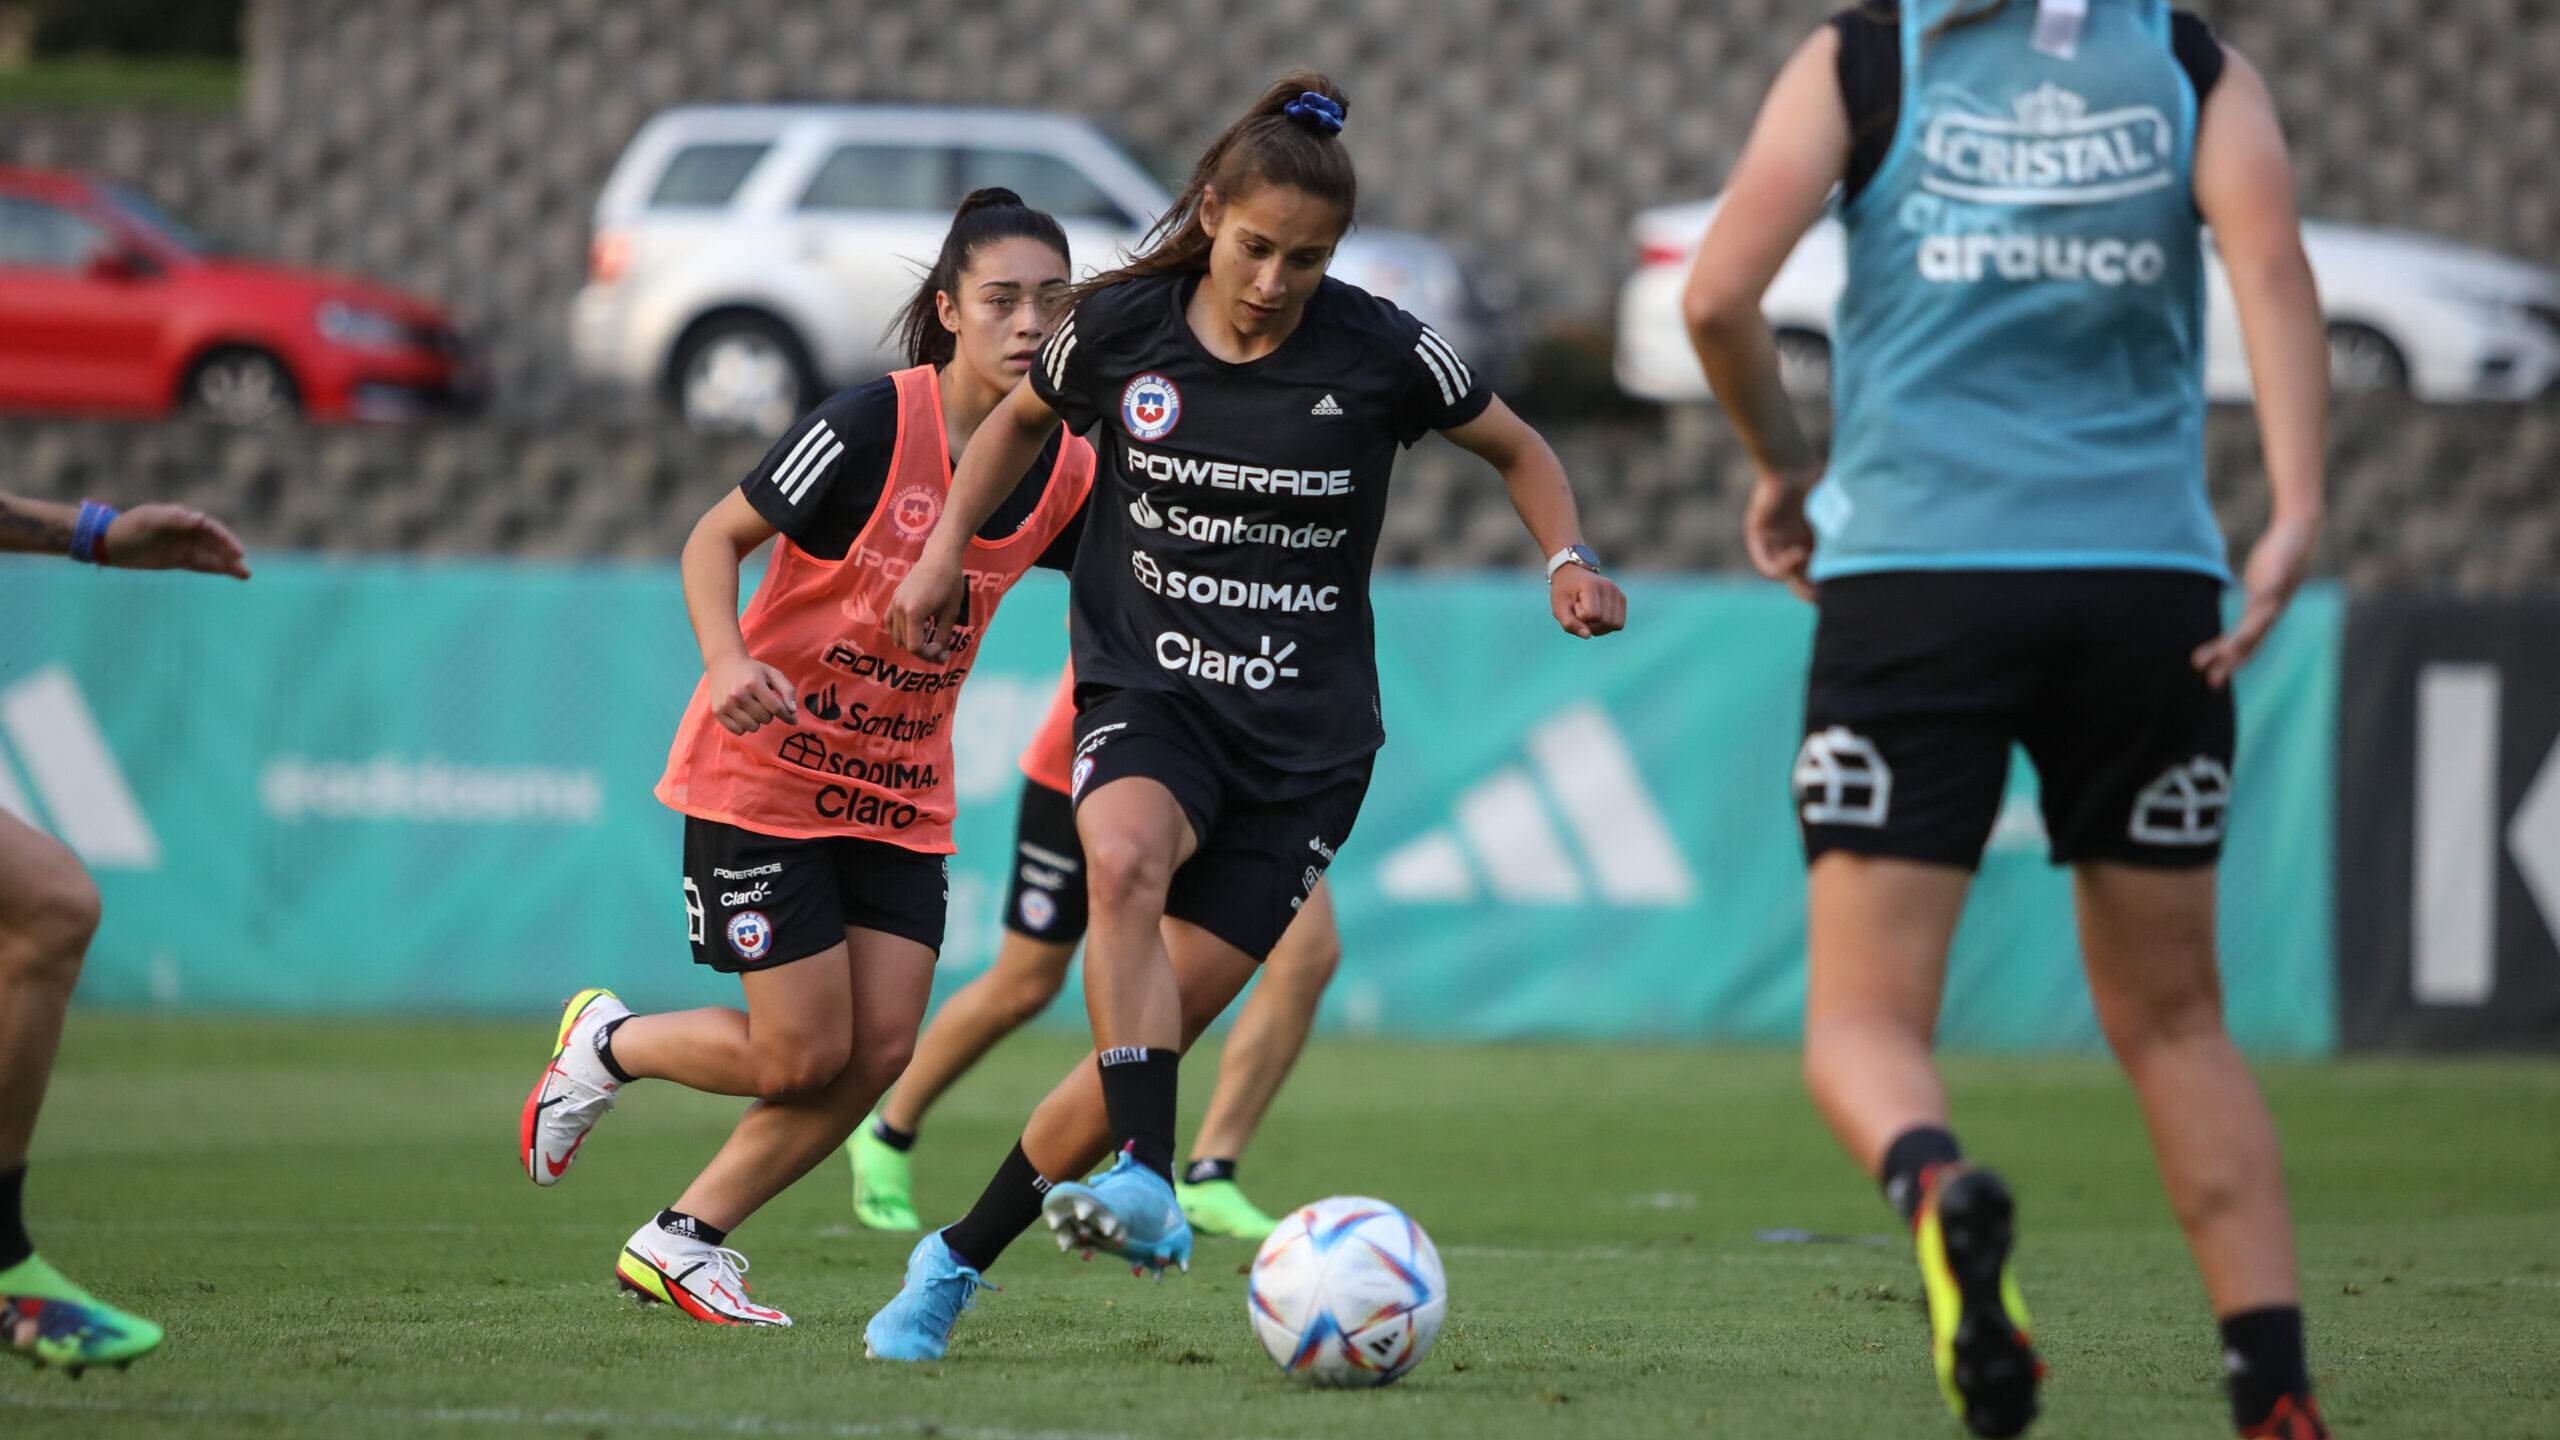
(1047, 900)
(1266, 834)
(753, 901)
(1923, 679)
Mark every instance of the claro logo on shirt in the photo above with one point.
(2048, 151)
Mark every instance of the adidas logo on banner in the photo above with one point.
(56, 742)
(1581, 771)
(1326, 406)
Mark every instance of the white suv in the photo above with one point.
(748, 258)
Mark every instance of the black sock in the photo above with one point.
(2262, 1354)
(1006, 1208)
(14, 1244)
(1201, 1172)
(1911, 1152)
(1138, 1088)
(890, 1135)
(676, 1222)
(604, 1048)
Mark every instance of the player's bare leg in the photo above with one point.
(1877, 935)
(1261, 1049)
(878, 984)
(2147, 940)
(48, 911)
(1026, 976)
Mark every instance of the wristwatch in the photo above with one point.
(1573, 555)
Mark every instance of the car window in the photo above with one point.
(882, 177)
(1044, 181)
(47, 237)
(706, 175)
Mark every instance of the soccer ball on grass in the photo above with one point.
(1348, 1292)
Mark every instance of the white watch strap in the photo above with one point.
(1559, 560)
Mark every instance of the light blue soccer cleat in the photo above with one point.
(916, 1323)
(1129, 1211)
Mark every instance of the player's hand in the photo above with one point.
(747, 694)
(1586, 604)
(1776, 533)
(2276, 567)
(926, 608)
(173, 537)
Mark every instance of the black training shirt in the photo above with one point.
(1236, 508)
(821, 481)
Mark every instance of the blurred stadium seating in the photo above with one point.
(456, 149)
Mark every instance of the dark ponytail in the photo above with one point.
(984, 217)
(1962, 16)
(1287, 138)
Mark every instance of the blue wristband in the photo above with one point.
(89, 529)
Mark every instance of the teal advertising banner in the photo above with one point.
(409, 788)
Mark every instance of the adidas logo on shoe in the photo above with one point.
(1326, 406)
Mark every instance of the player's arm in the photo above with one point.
(146, 537)
(2244, 190)
(922, 613)
(745, 692)
(1585, 603)
(1796, 154)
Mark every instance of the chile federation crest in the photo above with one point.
(1150, 407)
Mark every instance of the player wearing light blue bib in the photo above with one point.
(2011, 548)
(2019, 363)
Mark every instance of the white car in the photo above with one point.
(2407, 314)
(749, 258)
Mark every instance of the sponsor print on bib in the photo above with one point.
(750, 934)
(1150, 407)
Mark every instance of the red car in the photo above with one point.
(109, 305)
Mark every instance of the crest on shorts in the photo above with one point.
(913, 510)
(1039, 910)
(750, 934)
(1076, 777)
(1150, 407)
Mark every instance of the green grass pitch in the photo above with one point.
(329, 1220)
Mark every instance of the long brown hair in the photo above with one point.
(1962, 16)
(1280, 141)
(985, 216)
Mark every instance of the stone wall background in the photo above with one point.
(455, 147)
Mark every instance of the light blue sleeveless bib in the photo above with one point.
(2019, 353)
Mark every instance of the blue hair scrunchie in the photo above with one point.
(1319, 111)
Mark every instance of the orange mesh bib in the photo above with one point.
(1051, 751)
(870, 754)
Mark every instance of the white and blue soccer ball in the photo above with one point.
(1348, 1292)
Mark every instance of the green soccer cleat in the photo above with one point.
(1220, 1207)
(883, 1182)
(51, 1321)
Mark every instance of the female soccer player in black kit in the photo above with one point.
(1227, 673)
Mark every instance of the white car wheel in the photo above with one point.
(2363, 361)
(1804, 364)
(741, 376)
(241, 387)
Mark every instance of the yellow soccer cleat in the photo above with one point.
(1979, 1332)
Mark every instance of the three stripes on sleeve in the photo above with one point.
(807, 461)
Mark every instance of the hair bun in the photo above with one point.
(1316, 111)
(985, 196)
